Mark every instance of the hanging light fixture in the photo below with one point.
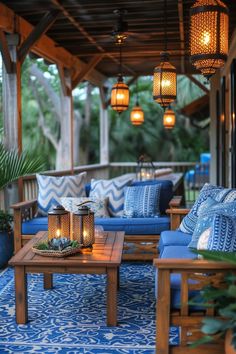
(169, 119)
(120, 91)
(137, 114)
(209, 27)
(164, 79)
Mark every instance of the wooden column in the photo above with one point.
(104, 135)
(12, 98)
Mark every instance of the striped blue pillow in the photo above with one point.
(142, 201)
(223, 234)
(51, 189)
(114, 189)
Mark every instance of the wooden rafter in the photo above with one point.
(198, 83)
(45, 47)
(87, 69)
(181, 33)
(46, 22)
(65, 88)
(86, 34)
(9, 65)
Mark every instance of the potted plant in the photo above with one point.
(12, 167)
(224, 325)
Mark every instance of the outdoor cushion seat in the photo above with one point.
(31, 227)
(172, 238)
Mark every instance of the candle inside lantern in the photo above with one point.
(58, 233)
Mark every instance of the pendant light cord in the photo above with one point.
(137, 103)
(120, 74)
(165, 24)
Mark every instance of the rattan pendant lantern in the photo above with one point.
(169, 119)
(137, 114)
(120, 92)
(165, 78)
(209, 27)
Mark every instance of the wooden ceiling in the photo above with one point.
(84, 27)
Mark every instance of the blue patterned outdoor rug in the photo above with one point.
(71, 318)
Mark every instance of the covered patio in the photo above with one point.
(79, 38)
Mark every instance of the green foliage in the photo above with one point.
(224, 302)
(5, 222)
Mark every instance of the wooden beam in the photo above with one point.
(45, 47)
(6, 57)
(87, 69)
(181, 32)
(199, 84)
(65, 89)
(46, 22)
(195, 106)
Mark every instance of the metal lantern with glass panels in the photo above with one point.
(209, 27)
(137, 115)
(120, 96)
(58, 223)
(83, 226)
(164, 82)
(169, 119)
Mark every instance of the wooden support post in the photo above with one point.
(104, 135)
(21, 295)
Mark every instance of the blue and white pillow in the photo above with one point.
(51, 189)
(207, 213)
(142, 201)
(220, 194)
(114, 189)
(223, 234)
(98, 205)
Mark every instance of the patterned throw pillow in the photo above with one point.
(223, 234)
(207, 213)
(220, 194)
(142, 201)
(114, 190)
(99, 205)
(203, 240)
(51, 189)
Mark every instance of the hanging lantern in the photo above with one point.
(120, 96)
(83, 226)
(209, 27)
(58, 223)
(164, 82)
(137, 115)
(169, 119)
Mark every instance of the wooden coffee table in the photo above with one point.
(104, 259)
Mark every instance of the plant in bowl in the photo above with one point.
(224, 325)
(12, 167)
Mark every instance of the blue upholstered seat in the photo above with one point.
(136, 226)
(172, 238)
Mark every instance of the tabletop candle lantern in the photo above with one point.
(58, 223)
(83, 226)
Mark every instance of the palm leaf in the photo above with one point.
(14, 166)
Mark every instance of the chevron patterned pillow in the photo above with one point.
(51, 189)
(223, 234)
(114, 190)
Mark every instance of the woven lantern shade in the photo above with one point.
(137, 115)
(169, 119)
(83, 226)
(209, 27)
(58, 223)
(120, 96)
(164, 82)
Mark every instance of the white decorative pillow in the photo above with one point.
(203, 239)
(51, 189)
(99, 205)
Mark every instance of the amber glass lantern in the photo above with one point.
(164, 82)
(169, 119)
(137, 115)
(120, 96)
(83, 226)
(209, 27)
(58, 223)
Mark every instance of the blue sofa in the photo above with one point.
(141, 234)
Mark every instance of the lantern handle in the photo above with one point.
(88, 201)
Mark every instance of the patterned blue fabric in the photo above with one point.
(223, 234)
(220, 194)
(209, 209)
(71, 318)
(114, 190)
(51, 189)
(142, 201)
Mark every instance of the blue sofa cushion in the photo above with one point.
(173, 238)
(142, 201)
(137, 226)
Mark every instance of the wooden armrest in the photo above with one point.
(178, 211)
(177, 264)
(176, 201)
(25, 204)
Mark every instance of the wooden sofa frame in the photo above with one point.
(202, 272)
(144, 247)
